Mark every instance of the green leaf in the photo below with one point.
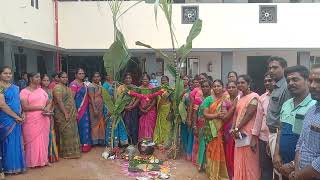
(117, 57)
(179, 90)
(195, 30)
(172, 70)
(185, 49)
(156, 5)
(161, 54)
(183, 111)
(121, 102)
(107, 99)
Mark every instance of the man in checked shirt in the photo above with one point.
(307, 159)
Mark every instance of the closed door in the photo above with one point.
(257, 67)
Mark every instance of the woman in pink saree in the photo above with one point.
(246, 159)
(147, 120)
(36, 126)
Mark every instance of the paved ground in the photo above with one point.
(91, 166)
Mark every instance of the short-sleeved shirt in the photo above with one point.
(279, 95)
(309, 142)
(291, 125)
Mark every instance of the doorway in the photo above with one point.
(89, 64)
(256, 68)
(135, 66)
(20, 61)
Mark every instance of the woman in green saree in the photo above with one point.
(65, 115)
(163, 124)
(211, 149)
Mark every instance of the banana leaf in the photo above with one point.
(179, 90)
(172, 70)
(117, 57)
(185, 49)
(161, 54)
(183, 112)
(108, 101)
(121, 102)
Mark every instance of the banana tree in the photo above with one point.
(116, 59)
(174, 65)
(117, 56)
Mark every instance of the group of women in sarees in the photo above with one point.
(47, 121)
(42, 123)
(216, 116)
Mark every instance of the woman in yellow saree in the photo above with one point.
(163, 125)
(211, 148)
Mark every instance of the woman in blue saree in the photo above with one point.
(81, 97)
(10, 125)
(186, 130)
(120, 137)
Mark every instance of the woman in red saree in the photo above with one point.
(36, 127)
(246, 159)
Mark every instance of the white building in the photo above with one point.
(233, 35)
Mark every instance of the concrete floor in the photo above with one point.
(91, 166)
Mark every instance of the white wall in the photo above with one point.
(205, 59)
(19, 18)
(87, 25)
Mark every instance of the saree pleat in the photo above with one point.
(98, 125)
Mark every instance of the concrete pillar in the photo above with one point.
(49, 58)
(226, 64)
(8, 56)
(151, 65)
(31, 60)
(1, 54)
(303, 58)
